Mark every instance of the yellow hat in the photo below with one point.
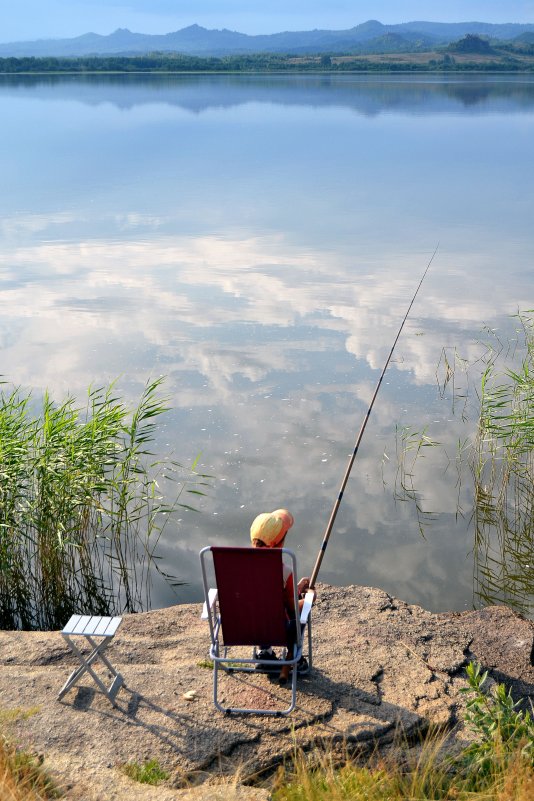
(271, 527)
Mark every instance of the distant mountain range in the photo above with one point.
(369, 37)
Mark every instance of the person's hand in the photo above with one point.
(303, 586)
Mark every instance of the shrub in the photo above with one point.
(504, 732)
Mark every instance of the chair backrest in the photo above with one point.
(250, 584)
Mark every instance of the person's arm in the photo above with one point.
(289, 596)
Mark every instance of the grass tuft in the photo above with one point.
(15, 714)
(147, 772)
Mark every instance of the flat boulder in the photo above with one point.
(378, 664)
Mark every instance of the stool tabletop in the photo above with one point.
(92, 625)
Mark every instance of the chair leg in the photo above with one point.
(216, 688)
(227, 710)
(293, 691)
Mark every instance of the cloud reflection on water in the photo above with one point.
(262, 263)
(94, 287)
(250, 333)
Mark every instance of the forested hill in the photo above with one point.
(194, 40)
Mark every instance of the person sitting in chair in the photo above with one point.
(269, 530)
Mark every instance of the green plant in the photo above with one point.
(148, 772)
(503, 732)
(82, 505)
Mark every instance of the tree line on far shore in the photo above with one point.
(175, 62)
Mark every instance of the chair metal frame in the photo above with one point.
(221, 654)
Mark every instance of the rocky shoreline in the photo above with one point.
(379, 663)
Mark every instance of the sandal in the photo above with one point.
(267, 668)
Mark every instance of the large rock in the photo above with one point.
(379, 664)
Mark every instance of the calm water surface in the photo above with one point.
(257, 240)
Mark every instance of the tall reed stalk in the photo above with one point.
(503, 470)
(80, 508)
(499, 460)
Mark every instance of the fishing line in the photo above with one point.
(337, 503)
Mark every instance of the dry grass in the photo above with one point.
(426, 776)
(498, 765)
(22, 777)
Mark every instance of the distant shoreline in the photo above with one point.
(428, 62)
(330, 73)
(137, 73)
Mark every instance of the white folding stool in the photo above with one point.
(99, 632)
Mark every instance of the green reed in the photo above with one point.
(497, 459)
(410, 447)
(81, 510)
(502, 465)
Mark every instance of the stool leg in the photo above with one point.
(77, 673)
(85, 667)
(99, 652)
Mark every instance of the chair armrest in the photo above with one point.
(212, 597)
(306, 606)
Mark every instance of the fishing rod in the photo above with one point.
(337, 503)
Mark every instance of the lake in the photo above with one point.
(257, 240)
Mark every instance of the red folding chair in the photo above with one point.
(247, 609)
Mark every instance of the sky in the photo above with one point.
(43, 19)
